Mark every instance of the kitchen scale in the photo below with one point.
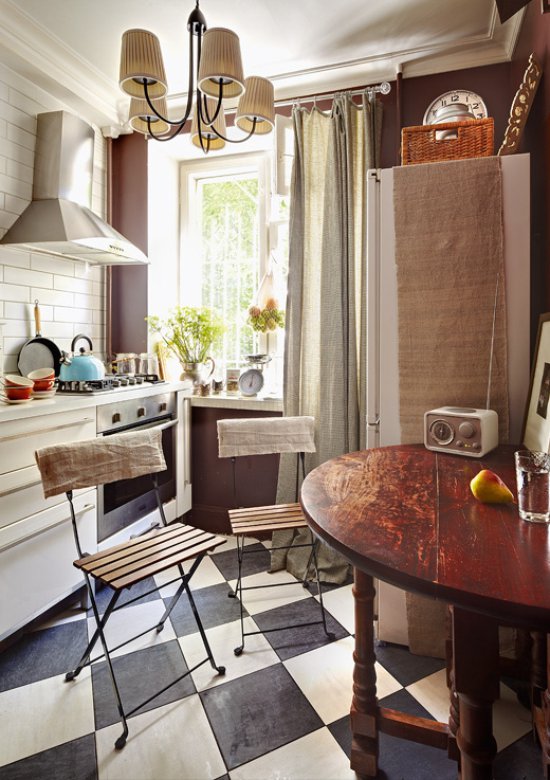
(251, 381)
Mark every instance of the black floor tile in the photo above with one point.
(76, 759)
(522, 760)
(140, 675)
(41, 654)
(400, 759)
(292, 641)
(402, 701)
(214, 607)
(404, 666)
(256, 559)
(103, 595)
(258, 713)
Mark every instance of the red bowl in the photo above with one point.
(41, 375)
(18, 393)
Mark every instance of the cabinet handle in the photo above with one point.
(47, 430)
(19, 487)
(49, 526)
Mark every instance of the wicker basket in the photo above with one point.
(473, 138)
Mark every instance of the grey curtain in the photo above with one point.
(325, 351)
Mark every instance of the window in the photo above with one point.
(232, 233)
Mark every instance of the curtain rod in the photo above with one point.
(384, 88)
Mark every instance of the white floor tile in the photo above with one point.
(258, 653)
(43, 714)
(339, 603)
(510, 720)
(433, 695)
(325, 677)
(316, 755)
(207, 574)
(256, 601)
(174, 742)
(130, 621)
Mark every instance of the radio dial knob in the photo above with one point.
(116, 417)
(466, 429)
(141, 411)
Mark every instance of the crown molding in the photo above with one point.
(34, 53)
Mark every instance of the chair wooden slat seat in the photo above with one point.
(127, 564)
(261, 519)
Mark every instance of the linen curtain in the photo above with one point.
(325, 352)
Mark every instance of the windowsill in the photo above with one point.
(260, 403)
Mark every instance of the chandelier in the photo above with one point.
(215, 74)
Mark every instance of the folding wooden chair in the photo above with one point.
(262, 436)
(66, 467)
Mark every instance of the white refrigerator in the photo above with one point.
(383, 427)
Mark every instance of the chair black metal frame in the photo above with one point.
(127, 564)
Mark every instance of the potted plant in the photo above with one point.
(189, 333)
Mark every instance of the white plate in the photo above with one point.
(15, 400)
(43, 394)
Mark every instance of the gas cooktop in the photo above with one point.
(108, 384)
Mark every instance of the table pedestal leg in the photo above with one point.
(476, 678)
(364, 728)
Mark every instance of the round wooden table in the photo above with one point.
(406, 515)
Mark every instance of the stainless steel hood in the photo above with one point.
(59, 220)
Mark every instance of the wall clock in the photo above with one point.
(455, 106)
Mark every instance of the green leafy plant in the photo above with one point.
(189, 332)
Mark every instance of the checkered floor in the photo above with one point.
(280, 711)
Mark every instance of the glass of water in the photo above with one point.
(533, 482)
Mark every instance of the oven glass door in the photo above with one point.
(121, 503)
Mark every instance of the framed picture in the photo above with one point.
(536, 426)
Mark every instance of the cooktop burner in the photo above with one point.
(108, 384)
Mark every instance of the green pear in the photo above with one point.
(490, 489)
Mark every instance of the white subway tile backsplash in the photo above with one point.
(22, 137)
(54, 265)
(14, 151)
(80, 316)
(16, 187)
(16, 311)
(15, 258)
(20, 119)
(27, 277)
(72, 284)
(53, 297)
(18, 170)
(15, 205)
(14, 292)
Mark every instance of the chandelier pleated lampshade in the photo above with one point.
(209, 136)
(221, 63)
(257, 102)
(141, 60)
(140, 111)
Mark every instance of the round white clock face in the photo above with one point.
(251, 381)
(455, 106)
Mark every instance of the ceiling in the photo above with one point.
(71, 47)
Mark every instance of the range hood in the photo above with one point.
(59, 220)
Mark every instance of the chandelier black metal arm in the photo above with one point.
(202, 109)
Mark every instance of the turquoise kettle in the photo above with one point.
(83, 367)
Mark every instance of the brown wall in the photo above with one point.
(129, 217)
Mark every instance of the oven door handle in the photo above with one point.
(152, 425)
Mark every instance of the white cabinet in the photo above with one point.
(36, 539)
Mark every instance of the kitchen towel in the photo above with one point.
(97, 461)
(265, 435)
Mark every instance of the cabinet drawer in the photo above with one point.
(20, 438)
(21, 495)
(38, 572)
